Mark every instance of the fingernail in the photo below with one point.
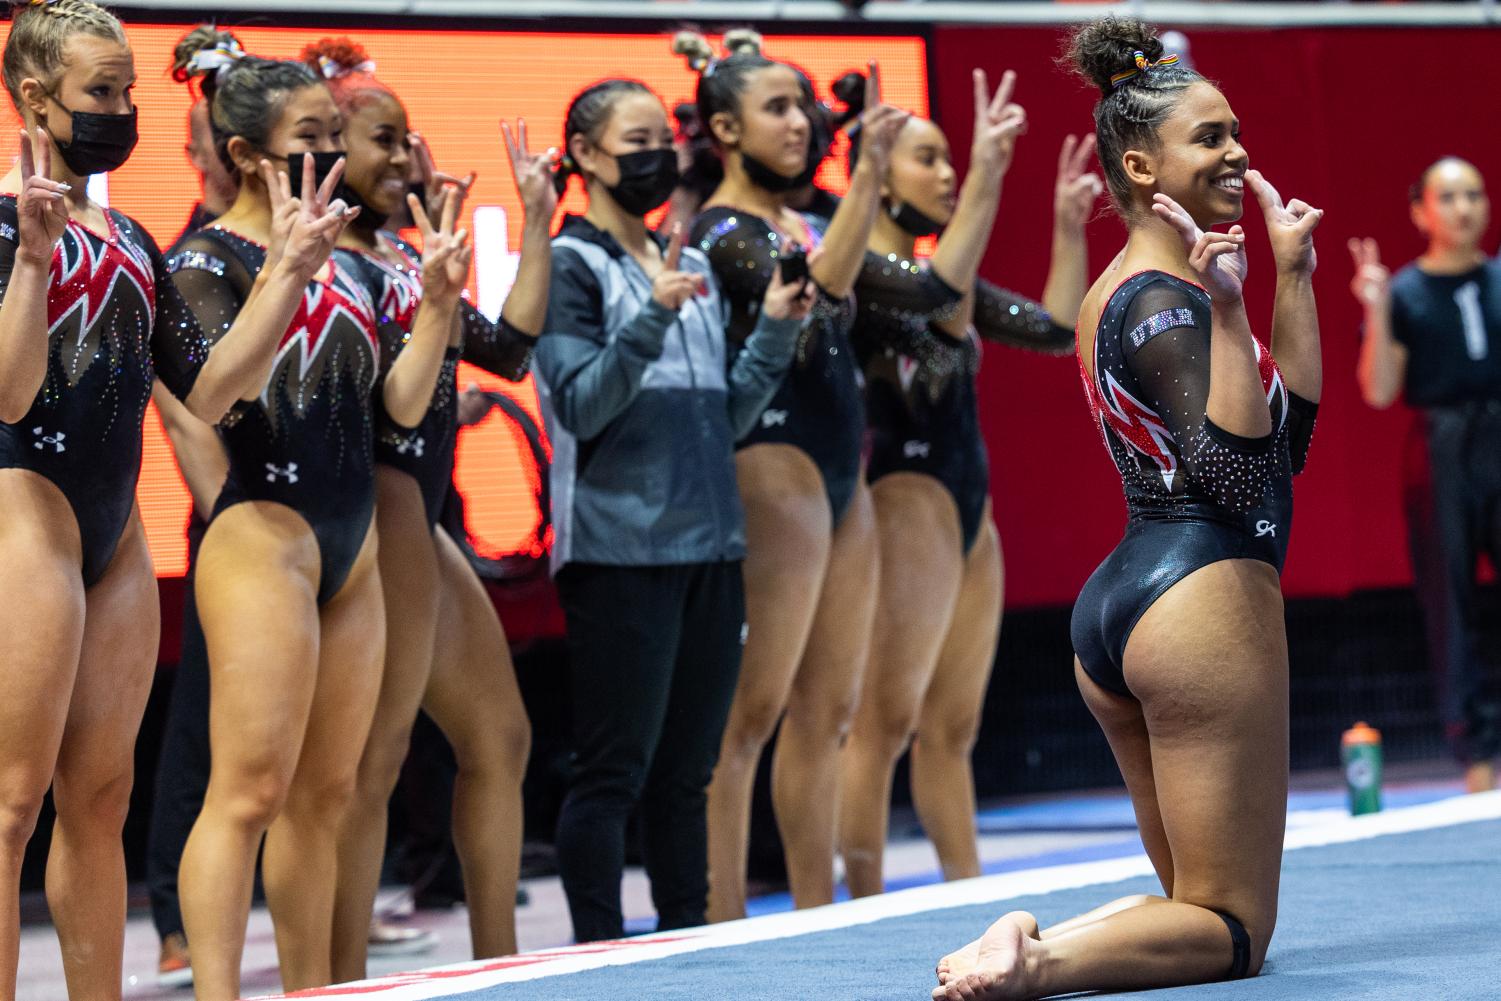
(65, 187)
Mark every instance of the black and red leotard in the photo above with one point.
(426, 452)
(1195, 493)
(306, 440)
(920, 383)
(113, 323)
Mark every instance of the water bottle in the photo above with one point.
(1360, 753)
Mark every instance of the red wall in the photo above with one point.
(1343, 118)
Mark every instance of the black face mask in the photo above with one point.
(647, 178)
(322, 164)
(764, 177)
(913, 221)
(100, 143)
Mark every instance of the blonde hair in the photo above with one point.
(39, 33)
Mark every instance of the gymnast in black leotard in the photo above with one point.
(810, 539)
(88, 316)
(1195, 493)
(305, 442)
(286, 583)
(1180, 642)
(917, 332)
(464, 679)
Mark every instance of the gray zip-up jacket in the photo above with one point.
(642, 411)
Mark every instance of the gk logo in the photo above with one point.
(1265, 528)
(915, 449)
(275, 472)
(412, 447)
(774, 418)
(55, 440)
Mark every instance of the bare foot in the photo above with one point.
(962, 961)
(1480, 777)
(1001, 971)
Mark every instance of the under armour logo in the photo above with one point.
(275, 472)
(773, 418)
(55, 440)
(412, 447)
(1265, 528)
(915, 449)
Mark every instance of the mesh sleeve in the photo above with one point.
(178, 345)
(1166, 345)
(499, 348)
(1006, 318)
(212, 283)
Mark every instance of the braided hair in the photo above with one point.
(1119, 55)
(39, 33)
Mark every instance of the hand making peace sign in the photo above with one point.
(445, 256)
(997, 124)
(41, 207)
(305, 229)
(1218, 258)
(1290, 227)
(533, 174)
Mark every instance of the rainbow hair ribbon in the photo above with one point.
(1142, 65)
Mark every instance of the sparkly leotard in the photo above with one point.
(1195, 493)
(306, 441)
(113, 322)
(920, 383)
(819, 406)
(426, 452)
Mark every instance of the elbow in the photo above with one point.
(209, 411)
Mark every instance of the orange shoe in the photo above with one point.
(174, 969)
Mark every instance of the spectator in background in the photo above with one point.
(1433, 333)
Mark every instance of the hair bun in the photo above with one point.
(336, 57)
(1104, 48)
(204, 38)
(694, 48)
(742, 41)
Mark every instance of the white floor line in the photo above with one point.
(986, 889)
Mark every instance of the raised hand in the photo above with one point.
(284, 211)
(445, 255)
(434, 181)
(879, 124)
(314, 227)
(1372, 284)
(671, 288)
(789, 300)
(1077, 187)
(533, 174)
(1290, 227)
(41, 207)
(997, 124)
(1219, 259)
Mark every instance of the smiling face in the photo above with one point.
(378, 153)
(772, 126)
(922, 172)
(1454, 210)
(1199, 161)
(98, 75)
